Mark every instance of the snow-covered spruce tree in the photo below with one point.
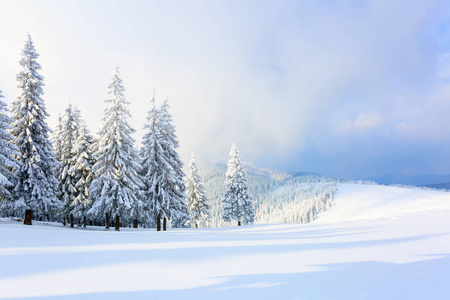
(237, 201)
(196, 198)
(168, 133)
(8, 163)
(163, 197)
(116, 188)
(65, 143)
(36, 183)
(82, 171)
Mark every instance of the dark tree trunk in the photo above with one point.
(64, 221)
(28, 216)
(84, 221)
(158, 223)
(196, 225)
(71, 220)
(136, 223)
(164, 224)
(239, 223)
(107, 220)
(117, 223)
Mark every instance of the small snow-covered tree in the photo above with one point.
(116, 188)
(196, 198)
(36, 183)
(82, 171)
(237, 200)
(8, 163)
(66, 143)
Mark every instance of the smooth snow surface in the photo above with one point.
(355, 202)
(392, 257)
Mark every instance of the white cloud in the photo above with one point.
(363, 122)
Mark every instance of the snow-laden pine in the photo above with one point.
(196, 198)
(65, 143)
(82, 171)
(178, 187)
(164, 193)
(36, 182)
(237, 200)
(8, 163)
(116, 188)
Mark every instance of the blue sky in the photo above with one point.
(343, 88)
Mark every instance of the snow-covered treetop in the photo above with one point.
(114, 117)
(29, 78)
(234, 164)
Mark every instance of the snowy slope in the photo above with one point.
(375, 243)
(370, 202)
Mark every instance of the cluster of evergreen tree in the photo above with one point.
(105, 179)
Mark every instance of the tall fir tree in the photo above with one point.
(36, 183)
(8, 163)
(155, 169)
(57, 149)
(116, 188)
(196, 197)
(168, 134)
(82, 171)
(164, 198)
(237, 200)
(66, 145)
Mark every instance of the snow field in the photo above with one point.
(356, 202)
(366, 249)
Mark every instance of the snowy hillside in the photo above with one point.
(277, 197)
(302, 198)
(354, 202)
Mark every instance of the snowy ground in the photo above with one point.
(357, 202)
(353, 251)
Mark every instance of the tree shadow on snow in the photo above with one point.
(60, 261)
(428, 279)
